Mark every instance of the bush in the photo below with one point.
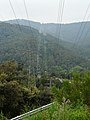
(67, 112)
(2, 117)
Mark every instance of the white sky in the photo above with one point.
(45, 11)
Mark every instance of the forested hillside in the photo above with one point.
(45, 59)
(24, 44)
(76, 33)
(68, 33)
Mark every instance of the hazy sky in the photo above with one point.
(45, 10)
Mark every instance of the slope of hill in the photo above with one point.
(78, 33)
(68, 33)
(21, 43)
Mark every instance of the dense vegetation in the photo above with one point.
(69, 33)
(57, 112)
(24, 44)
(76, 90)
(36, 69)
(73, 99)
(18, 92)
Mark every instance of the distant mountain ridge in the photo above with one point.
(22, 45)
(74, 34)
(69, 32)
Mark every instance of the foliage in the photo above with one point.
(18, 94)
(57, 112)
(22, 46)
(69, 31)
(75, 90)
(2, 116)
(86, 88)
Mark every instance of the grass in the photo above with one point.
(57, 112)
(44, 115)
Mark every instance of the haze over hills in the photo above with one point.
(76, 33)
(69, 32)
(45, 67)
(21, 43)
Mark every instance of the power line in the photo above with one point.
(60, 17)
(85, 36)
(21, 29)
(38, 51)
(86, 33)
(15, 15)
(32, 52)
(38, 42)
(78, 37)
(26, 13)
(29, 47)
(45, 53)
(80, 31)
(59, 25)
